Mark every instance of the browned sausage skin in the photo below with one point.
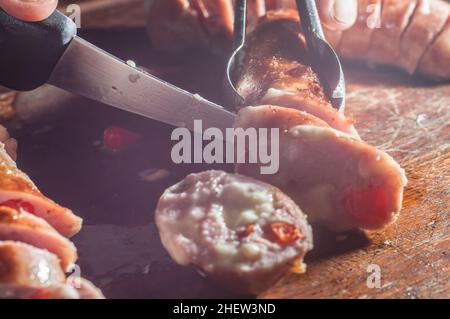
(435, 62)
(17, 189)
(404, 34)
(243, 233)
(18, 225)
(425, 25)
(338, 180)
(34, 248)
(275, 71)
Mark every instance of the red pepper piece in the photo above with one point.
(18, 204)
(116, 138)
(368, 206)
(285, 233)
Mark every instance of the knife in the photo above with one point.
(49, 51)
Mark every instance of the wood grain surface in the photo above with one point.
(116, 193)
(411, 121)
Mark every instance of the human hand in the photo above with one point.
(29, 10)
(338, 14)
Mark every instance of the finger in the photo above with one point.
(338, 14)
(29, 10)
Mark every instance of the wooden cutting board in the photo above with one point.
(116, 193)
(411, 121)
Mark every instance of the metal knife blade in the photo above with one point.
(89, 71)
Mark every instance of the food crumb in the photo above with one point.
(131, 63)
(421, 118)
(298, 267)
(153, 174)
(388, 243)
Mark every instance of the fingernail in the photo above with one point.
(345, 11)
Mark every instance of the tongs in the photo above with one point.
(325, 63)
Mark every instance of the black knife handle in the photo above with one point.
(30, 50)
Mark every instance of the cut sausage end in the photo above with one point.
(242, 232)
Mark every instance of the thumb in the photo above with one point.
(338, 14)
(29, 10)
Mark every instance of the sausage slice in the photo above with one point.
(17, 188)
(337, 180)
(18, 225)
(243, 233)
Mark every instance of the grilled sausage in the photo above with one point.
(409, 34)
(275, 71)
(18, 190)
(27, 272)
(338, 181)
(18, 225)
(243, 233)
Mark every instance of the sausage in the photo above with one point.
(385, 40)
(405, 33)
(435, 62)
(397, 33)
(421, 31)
(354, 43)
(337, 180)
(274, 54)
(367, 192)
(33, 250)
(10, 143)
(18, 225)
(409, 34)
(243, 233)
(27, 272)
(275, 71)
(16, 186)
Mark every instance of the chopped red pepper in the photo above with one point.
(250, 229)
(247, 231)
(116, 138)
(368, 206)
(286, 233)
(19, 204)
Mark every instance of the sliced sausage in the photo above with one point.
(435, 63)
(18, 225)
(427, 22)
(17, 188)
(355, 42)
(276, 56)
(243, 233)
(385, 40)
(275, 71)
(339, 181)
(9, 142)
(319, 109)
(27, 272)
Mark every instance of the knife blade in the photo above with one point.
(91, 72)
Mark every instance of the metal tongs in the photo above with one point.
(326, 63)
